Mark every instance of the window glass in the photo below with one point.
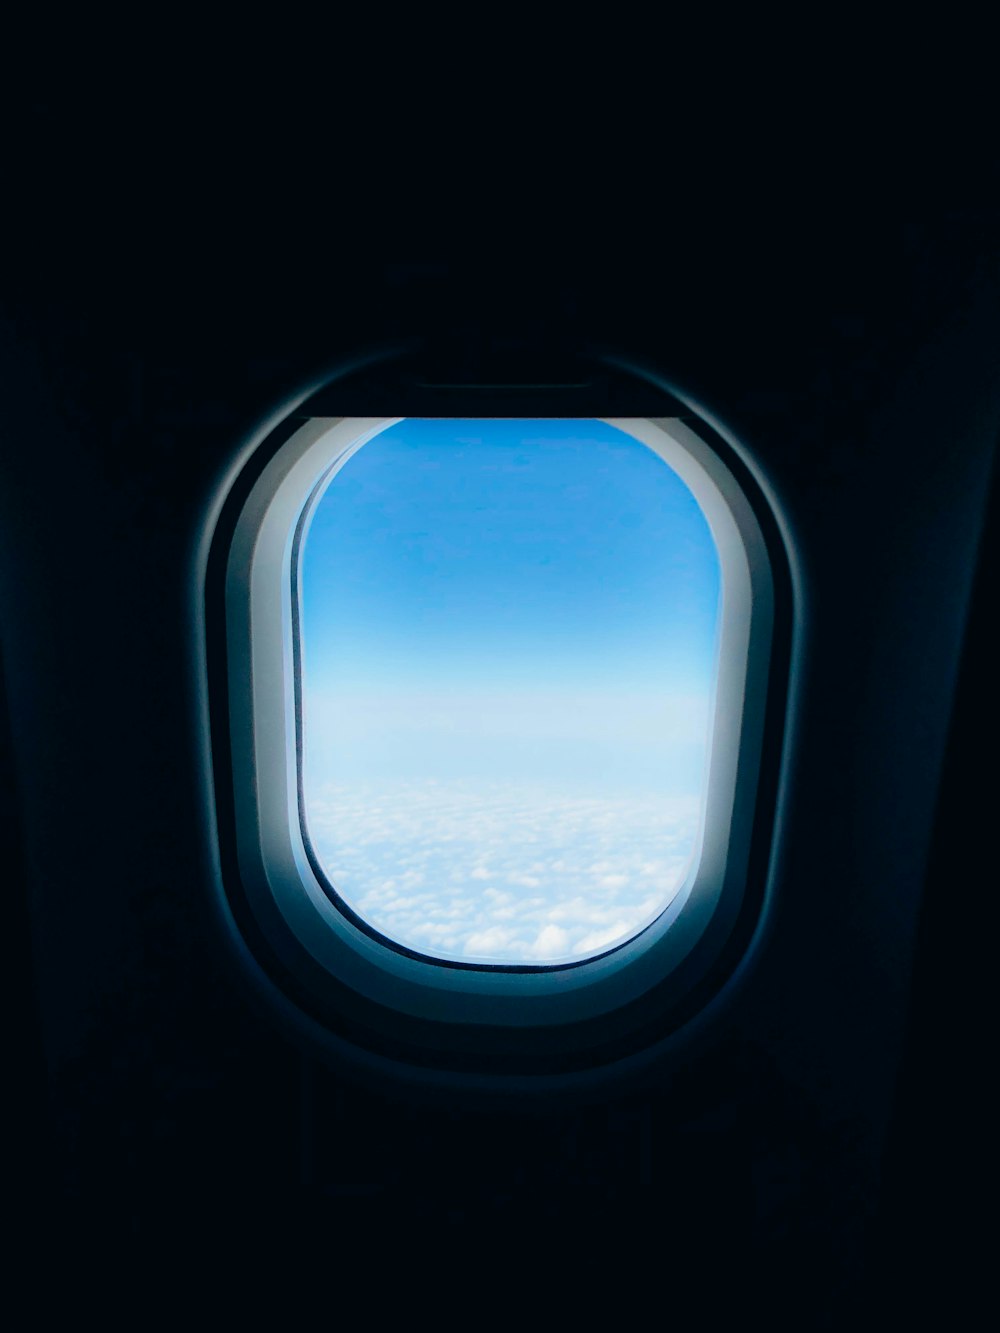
(508, 640)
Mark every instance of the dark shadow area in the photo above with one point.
(934, 1248)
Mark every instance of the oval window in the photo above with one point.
(491, 718)
(508, 634)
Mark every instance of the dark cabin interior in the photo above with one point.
(813, 1156)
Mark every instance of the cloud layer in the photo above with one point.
(502, 872)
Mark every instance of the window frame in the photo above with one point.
(315, 945)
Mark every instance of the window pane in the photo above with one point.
(508, 642)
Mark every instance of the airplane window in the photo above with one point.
(489, 714)
(508, 633)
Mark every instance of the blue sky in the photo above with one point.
(504, 607)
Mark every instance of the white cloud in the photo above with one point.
(488, 943)
(422, 862)
(550, 942)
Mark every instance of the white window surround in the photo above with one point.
(286, 897)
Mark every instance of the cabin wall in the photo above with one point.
(178, 1113)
